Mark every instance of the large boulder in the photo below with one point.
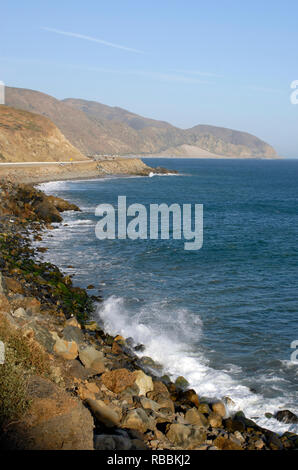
(137, 419)
(55, 421)
(286, 416)
(193, 416)
(120, 379)
(92, 358)
(103, 413)
(66, 349)
(144, 382)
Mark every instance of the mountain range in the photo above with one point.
(95, 128)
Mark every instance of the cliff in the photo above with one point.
(27, 137)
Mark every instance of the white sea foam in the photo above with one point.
(52, 186)
(166, 341)
(80, 222)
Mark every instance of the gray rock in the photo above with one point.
(92, 358)
(137, 419)
(104, 442)
(72, 333)
(103, 413)
(179, 434)
(122, 443)
(43, 336)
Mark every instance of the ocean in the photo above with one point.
(225, 316)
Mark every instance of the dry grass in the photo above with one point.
(23, 357)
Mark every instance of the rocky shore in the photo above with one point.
(40, 173)
(66, 384)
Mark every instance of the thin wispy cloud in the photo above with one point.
(149, 74)
(89, 38)
(199, 73)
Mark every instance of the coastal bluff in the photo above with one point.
(66, 384)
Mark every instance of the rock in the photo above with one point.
(103, 413)
(224, 443)
(239, 436)
(2, 284)
(85, 392)
(193, 416)
(4, 304)
(286, 416)
(31, 305)
(259, 444)
(181, 383)
(73, 322)
(13, 285)
(150, 404)
(55, 421)
(190, 396)
(62, 205)
(137, 444)
(137, 419)
(219, 408)
(43, 336)
(204, 408)
(139, 348)
(198, 437)
(178, 434)
(120, 339)
(104, 442)
(66, 349)
(144, 382)
(77, 370)
(146, 362)
(215, 420)
(122, 443)
(118, 380)
(233, 425)
(116, 348)
(91, 326)
(72, 333)
(229, 402)
(274, 441)
(92, 359)
(19, 313)
(47, 211)
(163, 399)
(160, 387)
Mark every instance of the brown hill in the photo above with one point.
(27, 137)
(95, 128)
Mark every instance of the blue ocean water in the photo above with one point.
(224, 316)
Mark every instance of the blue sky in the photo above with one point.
(222, 62)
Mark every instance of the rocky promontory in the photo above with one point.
(66, 384)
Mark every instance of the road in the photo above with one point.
(28, 164)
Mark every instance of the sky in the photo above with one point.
(223, 62)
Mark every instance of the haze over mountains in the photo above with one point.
(95, 128)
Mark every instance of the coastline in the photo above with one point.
(155, 410)
(42, 173)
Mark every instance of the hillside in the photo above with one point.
(95, 128)
(27, 137)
